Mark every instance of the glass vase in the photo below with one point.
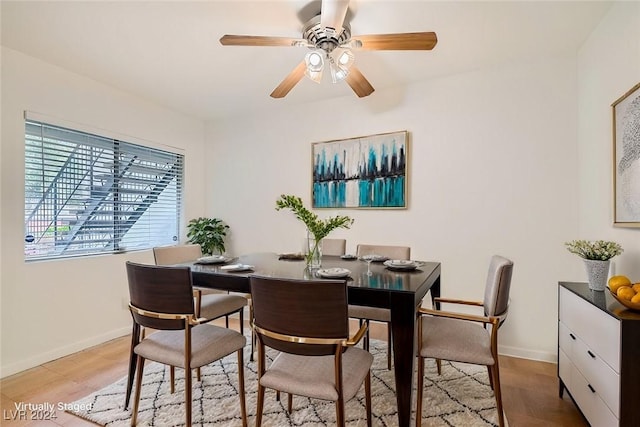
(314, 252)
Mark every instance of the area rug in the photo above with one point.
(461, 396)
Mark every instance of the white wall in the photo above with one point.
(608, 66)
(53, 308)
(492, 170)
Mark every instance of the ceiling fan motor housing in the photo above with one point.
(325, 38)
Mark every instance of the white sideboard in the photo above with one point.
(599, 355)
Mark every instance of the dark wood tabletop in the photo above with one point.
(400, 291)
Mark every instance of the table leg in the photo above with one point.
(435, 292)
(403, 320)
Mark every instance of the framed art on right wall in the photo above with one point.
(626, 159)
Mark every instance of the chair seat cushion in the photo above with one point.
(456, 340)
(208, 344)
(314, 376)
(371, 313)
(213, 306)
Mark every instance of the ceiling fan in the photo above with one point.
(329, 39)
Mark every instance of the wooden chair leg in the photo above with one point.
(253, 334)
(133, 360)
(490, 376)
(340, 412)
(498, 393)
(420, 386)
(241, 392)
(172, 376)
(226, 322)
(290, 403)
(439, 365)
(136, 403)
(198, 374)
(241, 314)
(259, 405)
(367, 397)
(187, 396)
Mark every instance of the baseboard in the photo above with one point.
(522, 353)
(57, 353)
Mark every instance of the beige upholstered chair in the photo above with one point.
(306, 321)
(375, 313)
(162, 299)
(214, 304)
(336, 247)
(464, 337)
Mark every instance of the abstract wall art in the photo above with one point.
(363, 172)
(626, 159)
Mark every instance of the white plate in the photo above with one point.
(213, 259)
(236, 267)
(333, 273)
(401, 264)
(374, 258)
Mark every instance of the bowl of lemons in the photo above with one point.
(627, 293)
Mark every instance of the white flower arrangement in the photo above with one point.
(596, 250)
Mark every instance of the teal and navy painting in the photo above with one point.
(365, 172)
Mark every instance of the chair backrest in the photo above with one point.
(334, 246)
(300, 308)
(167, 255)
(393, 252)
(496, 292)
(160, 290)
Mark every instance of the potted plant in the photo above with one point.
(317, 229)
(209, 233)
(597, 256)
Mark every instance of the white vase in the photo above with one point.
(597, 273)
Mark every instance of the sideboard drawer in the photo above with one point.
(598, 374)
(589, 401)
(599, 331)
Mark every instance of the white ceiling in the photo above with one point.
(168, 51)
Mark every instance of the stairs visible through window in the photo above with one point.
(87, 194)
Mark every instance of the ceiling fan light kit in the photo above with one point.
(329, 38)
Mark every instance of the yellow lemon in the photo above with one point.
(636, 298)
(625, 292)
(636, 287)
(616, 282)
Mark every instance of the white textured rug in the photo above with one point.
(461, 396)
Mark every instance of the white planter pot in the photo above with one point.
(597, 273)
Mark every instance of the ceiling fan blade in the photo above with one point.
(290, 81)
(238, 40)
(399, 41)
(358, 83)
(332, 14)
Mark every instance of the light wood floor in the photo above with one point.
(530, 389)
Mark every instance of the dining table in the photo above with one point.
(376, 285)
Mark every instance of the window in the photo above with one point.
(87, 194)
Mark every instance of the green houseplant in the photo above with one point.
(209, 233)
(316, 227)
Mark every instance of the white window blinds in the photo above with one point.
(87, 194)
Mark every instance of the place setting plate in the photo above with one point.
(213, 259)
(236, 267)
(401, 264)
(333, 273)
(374, 258)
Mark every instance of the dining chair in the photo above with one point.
(162, 299)
(214, 303)
(467, 338)
(335, 247)
(307, 322)
(377, 314)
